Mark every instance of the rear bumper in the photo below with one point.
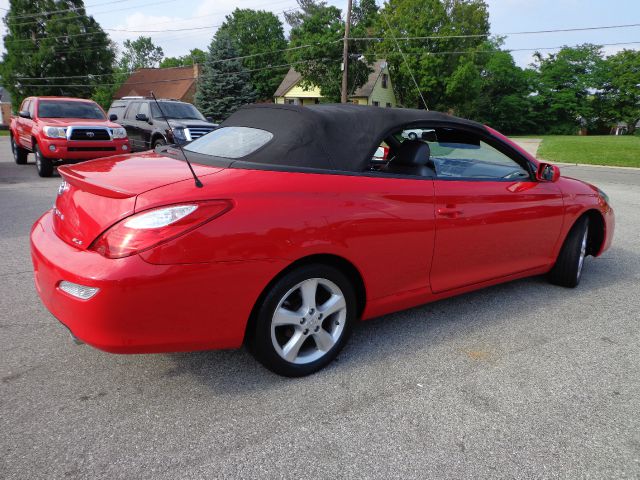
(82, 150)
(141, 307)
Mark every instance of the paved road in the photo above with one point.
(531, 145)
(523, 380)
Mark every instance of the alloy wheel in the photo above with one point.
(583, 251)
(308, 321)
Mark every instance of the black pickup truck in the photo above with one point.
(146, 121)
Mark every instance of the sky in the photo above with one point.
(506, 16)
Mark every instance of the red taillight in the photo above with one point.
(150, 228)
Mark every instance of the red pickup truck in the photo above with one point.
(63, 130)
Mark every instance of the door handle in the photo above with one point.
(449, 211)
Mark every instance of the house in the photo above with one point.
(178, 83)
(5, 107)
(377, 91)
(620, 128)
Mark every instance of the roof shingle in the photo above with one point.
(175, 82)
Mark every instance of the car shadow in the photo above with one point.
(386, 339)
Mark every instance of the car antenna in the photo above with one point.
(195, 177)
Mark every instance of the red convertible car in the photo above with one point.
(299, 230)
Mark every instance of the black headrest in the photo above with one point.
(413, 153)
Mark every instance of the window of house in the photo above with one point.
(388, 105)
(375, 103)
(291, 101)
(385, 80)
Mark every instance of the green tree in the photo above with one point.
(225, 84)
(51, 43)
(619, 93)
(318, 29)
(103, 94)
(140, 53)
(194, 56)
(503, 100)
(446, 80)
(253, 32)
(566, 81)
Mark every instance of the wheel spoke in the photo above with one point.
(292, 347)
(323, 340)
(284, 316)
(333, 305)
(308, 290)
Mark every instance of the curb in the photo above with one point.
(562, 164)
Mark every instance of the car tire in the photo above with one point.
(159, 142)
(303, 321)
(413, 136)
(567, 270)
(19, 153)
(44, 165)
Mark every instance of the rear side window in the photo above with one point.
(118, 107)
(144, 108)
(132, 111)
(230, 142)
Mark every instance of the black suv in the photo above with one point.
(147, 127)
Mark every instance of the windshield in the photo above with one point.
(181, 111)
(230, 142)
(69, 109)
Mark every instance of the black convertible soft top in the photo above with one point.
(339, 137)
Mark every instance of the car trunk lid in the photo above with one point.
(94, 195)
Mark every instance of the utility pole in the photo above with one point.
(345, 54)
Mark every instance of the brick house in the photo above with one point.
(178, 83)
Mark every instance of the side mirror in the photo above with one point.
(142, 117)
(113, 117)
(210, 119)
(547, 173)
(24, 114)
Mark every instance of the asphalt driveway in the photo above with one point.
(522, 380)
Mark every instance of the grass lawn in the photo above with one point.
(4, 133)
(620, 151)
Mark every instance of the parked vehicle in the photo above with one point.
(63, 130)
(146, 121)
(298, 231)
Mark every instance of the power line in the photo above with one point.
(103, 30)
(430, 37)
(484, 35)
(405, 60)
(270, 67)
(464, 52)
(72, 9)
(222, 60)
(185, 29)
(93, 13)
(39, 20)
(455, 52)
